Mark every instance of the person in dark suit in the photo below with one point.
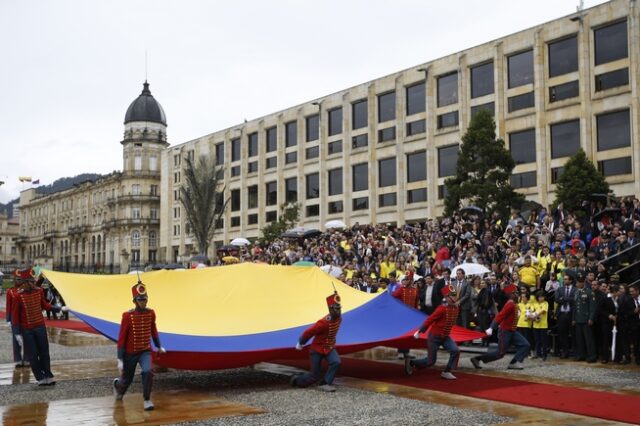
(464, 293)
(625, 317)
(429, 298)
(602, 326)
(565, 298)
(633, 322)
(445, 281)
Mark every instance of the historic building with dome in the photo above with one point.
(110, 224)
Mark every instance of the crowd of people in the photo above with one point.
(571, 300)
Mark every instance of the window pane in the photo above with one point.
(611, 43)
(252, 196)
(447, 160)
(386, 172)
(335, 181)
(612, 79)
(271, 216)
(312, 152)
(449, 119)
(442, 192)
(416, 127)
(313, 185)
(290, 157)
(291, 188)
(489, 106)
(313, 210)
(235, 221)
(563, 56)
(359, 114)
(252, 167)
(386, 200)
(613, 130)
(615, 166)
(334, 147)
(252, 219)
(386, 107)
(556, 172)
(523, 146)
(312, 127)
(360, 141)
(336, 207)
(448, 89)
(523, 180)
(253, 144)
(417, 166)
(565, 139)
(235, 149)
(564, 91)
(272, 193)
(416, 99)
(360, 177)
(272, 162)
(482, 80)
(361, 203)
(235, 171)
(272, 139)
(335, 121)
(416, 195)
(235, 200)
(220, 153)
(521, 69)
(387, 134)
(291, 136)
(523, 101)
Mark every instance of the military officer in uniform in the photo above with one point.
(439, 326)
(324, 332)
(584, 315)
(137, 329)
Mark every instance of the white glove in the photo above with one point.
(120, 365)
(9, 322)
(489, 331)
(64, 309)
(162, 350)
(416, 335)
(19, 340)
(298, 346)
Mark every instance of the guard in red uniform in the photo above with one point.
(507, 320)
(438, 326)
(324, 333)
(408, 294)
(18, 358)
(137, 328)
(27, 324)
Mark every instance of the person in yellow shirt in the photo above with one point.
(529, 275)
(387, 267)
(540, 325)
(525, 316)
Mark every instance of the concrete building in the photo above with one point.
(108, 224)
(380, 151)
(9, 231)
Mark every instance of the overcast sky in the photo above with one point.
(69, 69)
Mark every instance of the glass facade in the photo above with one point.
(448, 89)
(360, 177)
(417, 166)
(416, 98)
(565, 138)
(387, 172)
(386, 107)
(482, 80)
(614, 130)
(447, 160)
(522, 146)
(335, 121)
(611, 43)
(359, 114)
(520, 69)
(312, 185)
(563, 56)
(335, 181)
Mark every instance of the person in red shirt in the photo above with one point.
(324, 332)
(27, 324)
(507, 320)
(408, 294)
(438, 326)
(137, 329)
(18, 357)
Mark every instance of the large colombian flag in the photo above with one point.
(237, 315)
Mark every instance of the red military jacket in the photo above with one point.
(408, 295)
(137, 328)
(325, 332)
(26, 309)
(441, 320)
(11, 294)
(507, 318)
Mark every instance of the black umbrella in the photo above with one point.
(228, 249)
(301, 233)
(612, 212)
(472, 212)
(173, 266)
(159, 266)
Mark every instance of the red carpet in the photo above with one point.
(605, 405)
(66, 324)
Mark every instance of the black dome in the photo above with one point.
(145, 108)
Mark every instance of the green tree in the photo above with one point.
(579, 179)
(483, 171)
(202, 196)
(289, 216)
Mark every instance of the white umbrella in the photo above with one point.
(240, 242)
(471, 269)
(335, 224)
(200, 266)
(334, 271)
(1, 274)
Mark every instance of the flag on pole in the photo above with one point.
(24, 178)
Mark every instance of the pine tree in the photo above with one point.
(579, 180)
(483, 171)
